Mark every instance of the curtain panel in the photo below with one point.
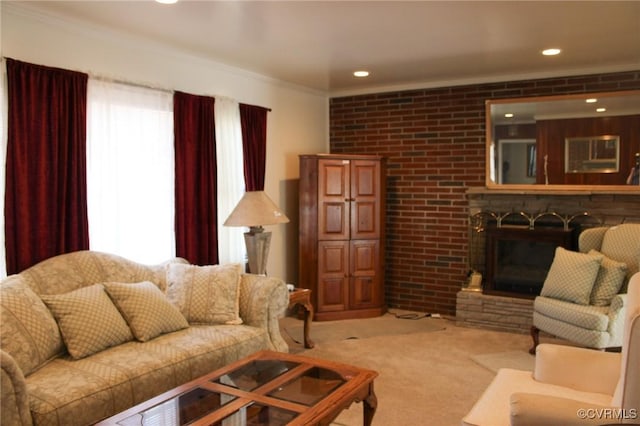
(195, 180)
(254, 140)
(3, 162)
(231, 246)
(45, 194)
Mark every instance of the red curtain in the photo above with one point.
(196, 186)
(253, 120)
(46, 195)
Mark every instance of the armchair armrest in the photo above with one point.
(528, 409)
(581, 369)
(263, 300)
(618, 302)
(14, 403)
(616, 315)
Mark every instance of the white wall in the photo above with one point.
(297, 124)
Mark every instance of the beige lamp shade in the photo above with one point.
(255, 209)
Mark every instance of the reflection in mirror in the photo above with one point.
(598, 154)
(517, 161)
(526, 139)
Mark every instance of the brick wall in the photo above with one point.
(435, 143)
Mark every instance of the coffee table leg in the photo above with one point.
(308, 318)
(369, 406)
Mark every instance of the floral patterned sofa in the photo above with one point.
(86, 335)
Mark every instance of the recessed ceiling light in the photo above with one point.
(551, 52)
(601, 110)
(508, 115)
(361, 74)
(591, 100)
(167, 1)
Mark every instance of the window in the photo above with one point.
(130, 171)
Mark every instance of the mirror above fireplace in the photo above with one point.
(526, 141)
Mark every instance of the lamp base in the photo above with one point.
(258, 243)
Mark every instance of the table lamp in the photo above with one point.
(254, 210)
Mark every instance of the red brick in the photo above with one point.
(435, 143)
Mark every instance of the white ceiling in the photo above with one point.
(404, 44)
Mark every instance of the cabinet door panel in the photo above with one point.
(364, 292)
(365, 199)
(365, 219)
(333, 199)
(364, 257)
(364, 288)
(333, 268)
(332, 294)
(333, 220)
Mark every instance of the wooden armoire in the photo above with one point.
(341, 238)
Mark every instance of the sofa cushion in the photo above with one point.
(146, 309)
(571, 276)
(29, 331)
(609, 281)
(586, 316)
(493, 406)
(206, 294)
(88, 320)
(71, 271)
(115, 379)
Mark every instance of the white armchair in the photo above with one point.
(583, 298)
(570, 385)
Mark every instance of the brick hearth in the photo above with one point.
(474, 309)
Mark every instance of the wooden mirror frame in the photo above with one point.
(532, 106)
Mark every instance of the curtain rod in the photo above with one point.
(136, 84)
(129, 83)
(149, 86)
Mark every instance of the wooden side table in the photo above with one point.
(302, 297)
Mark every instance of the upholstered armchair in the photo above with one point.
(570, 385)
(583, 298)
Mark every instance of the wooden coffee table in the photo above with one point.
(266, 388)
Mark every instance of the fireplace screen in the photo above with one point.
(518, 258)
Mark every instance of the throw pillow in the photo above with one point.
(88, 320)
(146, 309)
(206, 294)
(571, 276)
(30, 333)
(609, 280)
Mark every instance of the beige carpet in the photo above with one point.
(425, 378)
(388, 324)
(519, 360)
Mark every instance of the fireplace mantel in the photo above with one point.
(556, 190)
(609, 208)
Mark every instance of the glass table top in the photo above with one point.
(255, 374)
(181, 410)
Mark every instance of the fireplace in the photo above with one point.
(518, 257)
(576, 209)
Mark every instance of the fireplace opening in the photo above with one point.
(518, 258)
